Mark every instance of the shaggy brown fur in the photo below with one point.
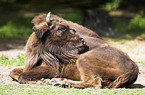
(49, 50)
(102, 66)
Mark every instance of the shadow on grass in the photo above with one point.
(135, 86)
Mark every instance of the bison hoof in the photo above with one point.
(60, 82)
(21, 80)
(55, 82)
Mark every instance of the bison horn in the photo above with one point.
(48, 17)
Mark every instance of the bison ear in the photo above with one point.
(40, 32)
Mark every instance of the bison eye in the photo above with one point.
(61, 29)
(59, 33)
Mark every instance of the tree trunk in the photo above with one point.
(98, 21)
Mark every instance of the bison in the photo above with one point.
(62, 49)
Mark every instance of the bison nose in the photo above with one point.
(83, 42)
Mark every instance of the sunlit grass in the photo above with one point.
(16, 89)
(18, 61)
(140, 62)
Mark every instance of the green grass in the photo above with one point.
(35, 89)
(18, 61)
(124, 42)
(16, 89)
(140, 62)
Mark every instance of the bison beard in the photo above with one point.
(56, 50)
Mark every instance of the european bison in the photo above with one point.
(56, 50)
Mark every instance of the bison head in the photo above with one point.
(58, 39)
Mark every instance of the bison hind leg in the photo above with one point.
(121, 81)
(15, 73)
(94, 83)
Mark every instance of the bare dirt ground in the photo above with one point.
(135, 49)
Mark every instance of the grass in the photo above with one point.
(121, 43)
(18, 61)
(16, 89)
(140, 62)
(35, 89)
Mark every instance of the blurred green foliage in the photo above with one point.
(15, 23)
(19, 26)
(73, 15)
(15, 26)
(129, 27)
(113, 5)
(137, 23)
(13, 29)
(9, 1)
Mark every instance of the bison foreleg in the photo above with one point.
(38, 73)
(15, 73)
